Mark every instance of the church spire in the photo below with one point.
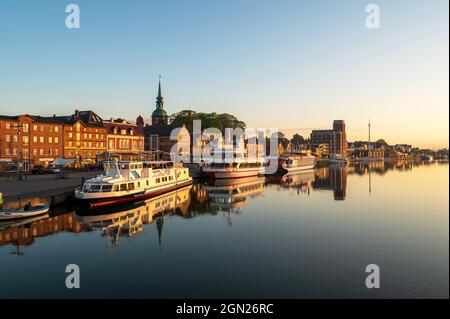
(159, 98)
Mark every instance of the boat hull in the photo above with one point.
(225, 174)
(21, 214)
(142, 196)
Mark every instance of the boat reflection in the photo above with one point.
(129, 220)
(301, 181)
(230, 195)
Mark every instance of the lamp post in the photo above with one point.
(19, 176)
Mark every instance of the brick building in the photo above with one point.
(84, 136)
(336, 139)
(123, 138)
(30, 139)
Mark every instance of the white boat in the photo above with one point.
(297, 162)
(130, 181)
(24, 212)
(234, 170)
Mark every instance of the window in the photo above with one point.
(50, 152)
(130, 186)
(7, 138)
(56, 139)
(35, 128)
(158, 180)
(42, 128)
(35, 139)
(25, 139)
(123, 187)
(7, 151)
(106, 188)
(56, 129)
(41, 152)
(95, 188)
(50, 139)
(50, 128)
(41, 139)
(56, 152)
(147, 182)
(15, 138)
(116, 188)
(138, 184)
(25, 127)
(35, 151)
(14, 151)
(7, 126)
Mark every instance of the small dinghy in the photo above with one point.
(24, 212)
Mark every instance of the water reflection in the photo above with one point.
(24, 232)
(226, 197)
(129, 220)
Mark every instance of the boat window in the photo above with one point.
(86, 188)
(106, 188)
(116, 188)
(130, 186)
(95, 188)
(123, 187)
(147, 182)
(138, 184)
(158, 180)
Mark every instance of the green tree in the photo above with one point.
(297, 139)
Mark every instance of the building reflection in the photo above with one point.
(129, 220)
(24, 232)
(334, 179)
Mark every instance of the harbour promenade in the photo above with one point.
(49, 187)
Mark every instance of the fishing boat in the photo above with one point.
(296, 162)
(128, 181)
(24, 212)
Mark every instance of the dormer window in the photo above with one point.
(131, 132)
(115, 130)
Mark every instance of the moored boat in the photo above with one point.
(24, 212)
(296, 162)
(124, 182)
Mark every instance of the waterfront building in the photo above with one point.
(84, 136)
(335, 138)
(123, 138)
(31, 140)
(28, 140)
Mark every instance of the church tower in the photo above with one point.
(159, 115)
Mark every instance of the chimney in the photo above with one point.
(77, 115)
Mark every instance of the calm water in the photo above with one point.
(299, 236)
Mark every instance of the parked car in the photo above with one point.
(41, 169)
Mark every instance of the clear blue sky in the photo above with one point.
(289, 64)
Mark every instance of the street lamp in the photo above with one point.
(19, 176)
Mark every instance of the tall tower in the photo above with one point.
(159, 115)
